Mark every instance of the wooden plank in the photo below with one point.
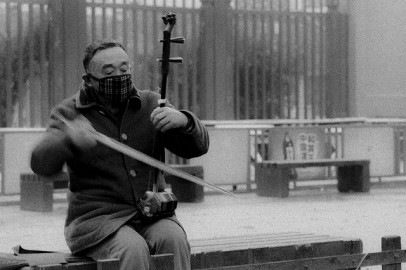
(254, 237)
(161, 262)
(246, 245)
(249, 249)
(330, 262)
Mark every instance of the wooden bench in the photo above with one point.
(60, 261)
(265, 248)
(272, 176)
(213, 252)
(36, 192)
(391, 258)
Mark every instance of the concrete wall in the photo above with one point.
(377, 58)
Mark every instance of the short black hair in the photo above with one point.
(96, 46)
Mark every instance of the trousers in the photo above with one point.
(133, 248)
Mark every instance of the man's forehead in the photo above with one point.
(109, 56)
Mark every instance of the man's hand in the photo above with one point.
(166, 118)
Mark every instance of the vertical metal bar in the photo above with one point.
(263, 140)
(288, 57)
(44, 73)
(305, 65)
(93, 21)
(403, 148)
(145, 46)
(297, 67)
(269, 154)
(185, 65)
(104, 21)
(254, 63)
(340, 138)
(312, 88)
(155, 44)
(31, 115)
(247, 64)
(136, 38)
(3, 85)
(280, 62)
(263, 64)
(399, 151)
(114, 22)
(396, 152)
(329, 144)
(271, 61)
(194, 42)
(345, 42)
(125, 25)
(322, 66)
(237, 50)
(2, 159)
(20, 64)
(9, 90)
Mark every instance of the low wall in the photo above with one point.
(16, 145)
(234, 146)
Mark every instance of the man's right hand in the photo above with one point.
(80, 135)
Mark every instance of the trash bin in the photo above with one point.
(186, 191)
(36, 192)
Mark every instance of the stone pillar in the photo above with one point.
(75, 40)
(68, 41)
(336, 91)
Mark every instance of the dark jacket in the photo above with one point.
(105, 184)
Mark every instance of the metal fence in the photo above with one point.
(286, 55)
(24, 62)
(287, 59)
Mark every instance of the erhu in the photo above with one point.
(153, 203)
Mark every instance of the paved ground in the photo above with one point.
(367, 216)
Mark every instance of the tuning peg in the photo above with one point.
(175, 40)
(178, 40)
(176, 59)
(172, 59)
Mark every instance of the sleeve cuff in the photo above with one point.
(190, 124)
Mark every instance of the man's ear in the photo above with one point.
(87, 80)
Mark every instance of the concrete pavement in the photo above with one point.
(367, 216)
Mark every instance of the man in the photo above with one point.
(105, 184)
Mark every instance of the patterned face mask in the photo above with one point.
(115, 89)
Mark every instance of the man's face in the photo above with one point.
(109, 62)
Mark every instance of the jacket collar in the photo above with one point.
(87, 97)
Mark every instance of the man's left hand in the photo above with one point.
(166, 118)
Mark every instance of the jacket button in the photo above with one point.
(133, 173)
(124, 136)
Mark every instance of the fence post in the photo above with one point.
(217, 89)
(391, 243)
